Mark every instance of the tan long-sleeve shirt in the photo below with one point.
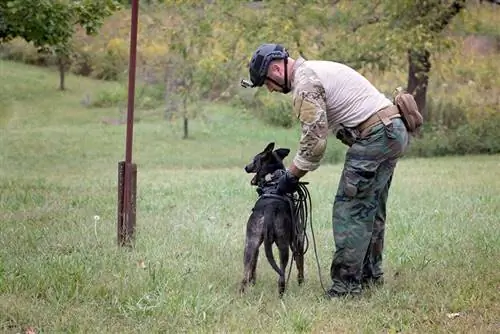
(327, 95)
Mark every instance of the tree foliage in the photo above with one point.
(189, 43)
(50, 24)
(362, 33)
(206, 46)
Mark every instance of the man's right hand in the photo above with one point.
(287, 183)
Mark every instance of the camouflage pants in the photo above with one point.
(359, 209)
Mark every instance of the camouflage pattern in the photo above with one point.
(309, 106)
(359, 209)
(326, 94)
(372, 264)
(326, 97)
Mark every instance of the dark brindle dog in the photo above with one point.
(271, 220)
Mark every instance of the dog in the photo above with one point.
(271, 220)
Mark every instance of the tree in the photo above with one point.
(50, 24)
(361, 33)
(413, 28)
(419, 64)
(189, 44)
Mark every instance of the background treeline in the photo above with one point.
(191, 53)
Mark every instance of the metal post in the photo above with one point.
(127, 171)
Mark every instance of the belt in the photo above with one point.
(382, 116)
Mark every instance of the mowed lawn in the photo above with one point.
(61, 271)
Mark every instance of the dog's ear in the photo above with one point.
(282, 152)
(269, 148)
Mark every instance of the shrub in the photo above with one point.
(109, 98)
(476, 137)
(148, 96)
(277, 111)
(112, 63)
(22, 51)
(81, 63)
(445, 113)
(273, 109)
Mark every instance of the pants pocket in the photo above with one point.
(358, 183)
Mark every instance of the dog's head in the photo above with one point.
(266, 162)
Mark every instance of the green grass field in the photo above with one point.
(61, 271)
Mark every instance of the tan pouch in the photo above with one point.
(408, 109)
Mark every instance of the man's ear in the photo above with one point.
(269, 148)
(282, 152)
(275, 67)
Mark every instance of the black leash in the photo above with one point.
(302, 215)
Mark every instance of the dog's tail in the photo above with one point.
(268, 240)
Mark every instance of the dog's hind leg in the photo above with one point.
(284, 256)
(253, 273)
(250, 261)
(299, 259)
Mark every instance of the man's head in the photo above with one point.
(270, 65)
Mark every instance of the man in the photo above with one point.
(329, 96)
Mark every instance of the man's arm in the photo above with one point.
(296, 171)
(310, 107)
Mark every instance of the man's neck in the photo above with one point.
(293, 65)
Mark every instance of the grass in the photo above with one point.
(61, 271)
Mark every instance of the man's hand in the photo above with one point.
(345, 136)
(287, 183)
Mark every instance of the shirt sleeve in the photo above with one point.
(309, 105)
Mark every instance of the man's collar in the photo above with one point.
(298, 62)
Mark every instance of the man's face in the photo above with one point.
(276, 73)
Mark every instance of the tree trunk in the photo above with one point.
(419, 59)
(186, 133)
(419, 66)
(61, 65)
(186, 120)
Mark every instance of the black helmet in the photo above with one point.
(261, 58)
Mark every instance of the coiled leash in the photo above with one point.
(302, 213)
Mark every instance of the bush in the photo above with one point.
(278, 112)
(476, 137)
(22, 51)
(81, 63)
(109, 98)
(112, 64)
(273, 109)
(445, 113)
(148, 96)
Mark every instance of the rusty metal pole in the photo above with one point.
(127, 171)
